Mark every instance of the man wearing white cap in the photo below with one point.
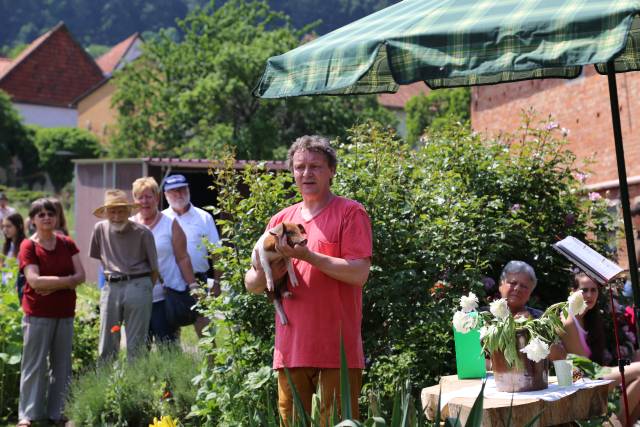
(128, 255)
(198, 225)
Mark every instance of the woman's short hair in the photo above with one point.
(517, 267)
(146, 183)
(316, 143)
(42, 205)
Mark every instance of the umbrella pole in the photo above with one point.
(624, 190)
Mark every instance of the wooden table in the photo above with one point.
(583, 404)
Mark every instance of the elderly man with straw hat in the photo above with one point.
(128, 255)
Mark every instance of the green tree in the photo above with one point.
(57, 146)
(16, 142)
(192, 97)
(436, 111)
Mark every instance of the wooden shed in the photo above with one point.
(94, 176)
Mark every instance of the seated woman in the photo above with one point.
(585, 336)
(517, 282)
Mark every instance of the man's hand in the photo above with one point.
(298, 251)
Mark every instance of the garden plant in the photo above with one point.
(157, 384)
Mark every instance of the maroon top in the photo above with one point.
(57, 262)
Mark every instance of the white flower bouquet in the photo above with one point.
(498, 327)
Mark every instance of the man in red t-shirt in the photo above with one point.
(331, 269)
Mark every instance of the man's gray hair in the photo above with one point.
(316, 143)
(516, 267)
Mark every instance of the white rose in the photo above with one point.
(536, 350)
(469, 303)
(484, 331)
(500, 309)
(577, 306)
(463, 322)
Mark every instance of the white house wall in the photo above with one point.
(46, 116)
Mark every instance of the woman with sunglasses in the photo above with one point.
(585, 336)
(52, 267)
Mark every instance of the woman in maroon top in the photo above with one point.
(52, 267)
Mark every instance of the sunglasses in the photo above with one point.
(44, 214)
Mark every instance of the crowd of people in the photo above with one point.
(147, 254)
(143, 253)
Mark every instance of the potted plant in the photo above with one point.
(518, 346)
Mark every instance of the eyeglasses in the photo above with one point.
(46, 214)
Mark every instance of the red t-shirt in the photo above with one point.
(321, 308)
(57, 262)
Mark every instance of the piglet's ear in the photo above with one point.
(301, 228)
(278, 230)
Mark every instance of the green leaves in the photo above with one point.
(57, 146)
(190, 98)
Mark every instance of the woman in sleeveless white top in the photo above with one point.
(173, 259)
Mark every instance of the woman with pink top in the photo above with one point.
(585, 336)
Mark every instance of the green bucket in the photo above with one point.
(469, 356)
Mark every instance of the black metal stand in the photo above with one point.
(621, 361)
(624, 188)
(626, 216)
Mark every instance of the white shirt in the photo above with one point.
(197, 225)
(168, 267)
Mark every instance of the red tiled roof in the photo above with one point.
(5, 63)
(53, 70)
(404, 94)
(110, 60)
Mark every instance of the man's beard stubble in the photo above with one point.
(179, 203)
(118, 227)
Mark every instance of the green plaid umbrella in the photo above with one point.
(449, 43)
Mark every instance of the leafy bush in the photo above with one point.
(437, 110)
(10, 345)
(57, 146)
(86, 328)
(156, 384)
(445, 215)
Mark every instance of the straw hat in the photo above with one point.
(112, 199)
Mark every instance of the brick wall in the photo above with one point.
(580, 105)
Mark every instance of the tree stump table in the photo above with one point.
(582, 404)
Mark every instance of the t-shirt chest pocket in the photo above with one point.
(329, 248)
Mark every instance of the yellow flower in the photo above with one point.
(164, 422)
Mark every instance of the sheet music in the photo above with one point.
(583, 255)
